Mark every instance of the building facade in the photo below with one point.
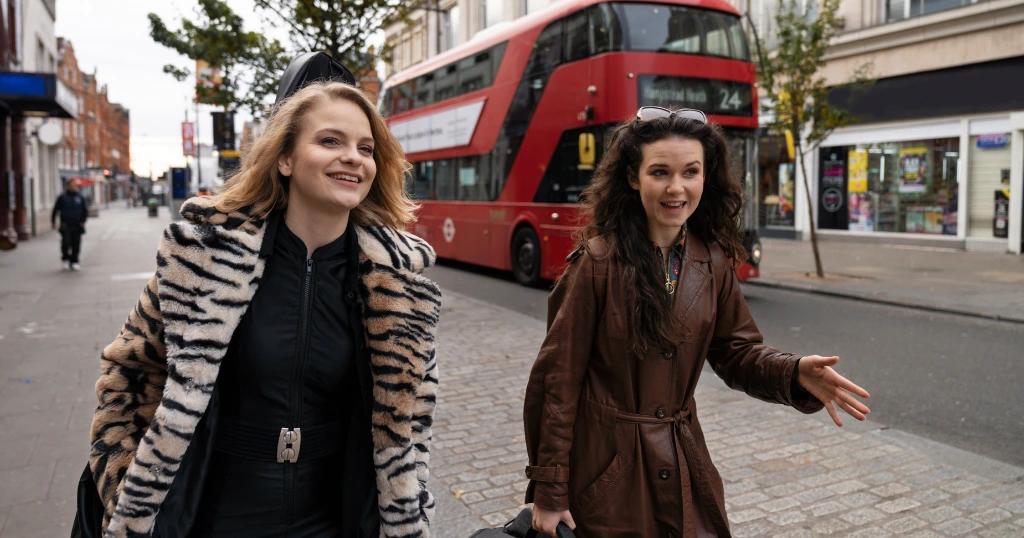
(96, 146)
(935, 152)
(448, 23)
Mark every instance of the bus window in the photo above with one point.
(716, 34)
(605, 29)
(663, 28)
(402, 98)
(577, 38)
(740, 50)
(547, 51)
(473, 177)
(444, 179)
(446, 80)
(423, 181)
(425, 90)
(683, 32)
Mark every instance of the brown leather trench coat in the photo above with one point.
(615, 437)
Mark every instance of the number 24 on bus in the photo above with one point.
(504, 131)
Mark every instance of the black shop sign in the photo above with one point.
(833, 212)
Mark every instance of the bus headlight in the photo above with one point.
(755, 252)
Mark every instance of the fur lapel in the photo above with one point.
(208, 271)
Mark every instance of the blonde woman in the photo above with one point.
(277, 376)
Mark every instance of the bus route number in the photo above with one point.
(730, 99)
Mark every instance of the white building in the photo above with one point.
(935, 154)
(38, 54)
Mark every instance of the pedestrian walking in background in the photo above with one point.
(277, 377)
(73, 210)
(615, 447)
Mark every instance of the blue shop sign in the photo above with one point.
(993, 141)
(37, 94)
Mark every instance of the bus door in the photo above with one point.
(742, 153)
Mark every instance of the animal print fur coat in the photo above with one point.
(158, 375)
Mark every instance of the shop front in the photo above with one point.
(924, 166)
(898, 187)
(777, 188)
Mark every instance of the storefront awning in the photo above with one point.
(36, 94)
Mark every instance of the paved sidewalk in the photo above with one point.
(786, 474)
(938, 279)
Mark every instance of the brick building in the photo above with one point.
(96, 145)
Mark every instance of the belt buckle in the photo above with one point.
(288, 443)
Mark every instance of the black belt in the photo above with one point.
(280, 445)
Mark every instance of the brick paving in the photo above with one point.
(786, 474)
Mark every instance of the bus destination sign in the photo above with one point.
(712, 96)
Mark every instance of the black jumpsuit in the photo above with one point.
(292, 364)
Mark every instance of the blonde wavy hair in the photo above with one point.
(258, 187)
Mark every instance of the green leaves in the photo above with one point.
(251, 64)
(797, 96)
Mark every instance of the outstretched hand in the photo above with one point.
(817, 377)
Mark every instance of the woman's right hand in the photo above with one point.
(546, 521)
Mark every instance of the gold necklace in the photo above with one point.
(670, 285)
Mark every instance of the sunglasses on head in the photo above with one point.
(648, 113)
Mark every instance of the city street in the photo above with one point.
(948, 378)
(928, 464)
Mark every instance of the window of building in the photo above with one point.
(906, 187)
(450, 23)
(897, 10)
(494, 12)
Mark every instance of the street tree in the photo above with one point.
(341, 28)
(796, 94)
(248, 63)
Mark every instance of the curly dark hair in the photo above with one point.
(613, 211)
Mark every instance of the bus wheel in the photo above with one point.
(526, 256)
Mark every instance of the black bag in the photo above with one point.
(89, 517)
(521, 527)
(309, 67)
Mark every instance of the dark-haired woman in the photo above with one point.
(614, 443)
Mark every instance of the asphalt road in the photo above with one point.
(952, 379)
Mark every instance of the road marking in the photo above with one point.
(131, 276)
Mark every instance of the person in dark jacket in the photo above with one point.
(615, 446)
(73, 211)
(278, 377)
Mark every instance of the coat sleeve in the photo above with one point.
(133, 370)
(556, 380)
(738, 353)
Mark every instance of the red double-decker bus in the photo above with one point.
(504, 132)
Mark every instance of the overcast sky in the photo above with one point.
(111, 37)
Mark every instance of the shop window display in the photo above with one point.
(906, 187)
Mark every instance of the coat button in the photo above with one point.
(664, 474)
(350, 296)
(660, 413)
